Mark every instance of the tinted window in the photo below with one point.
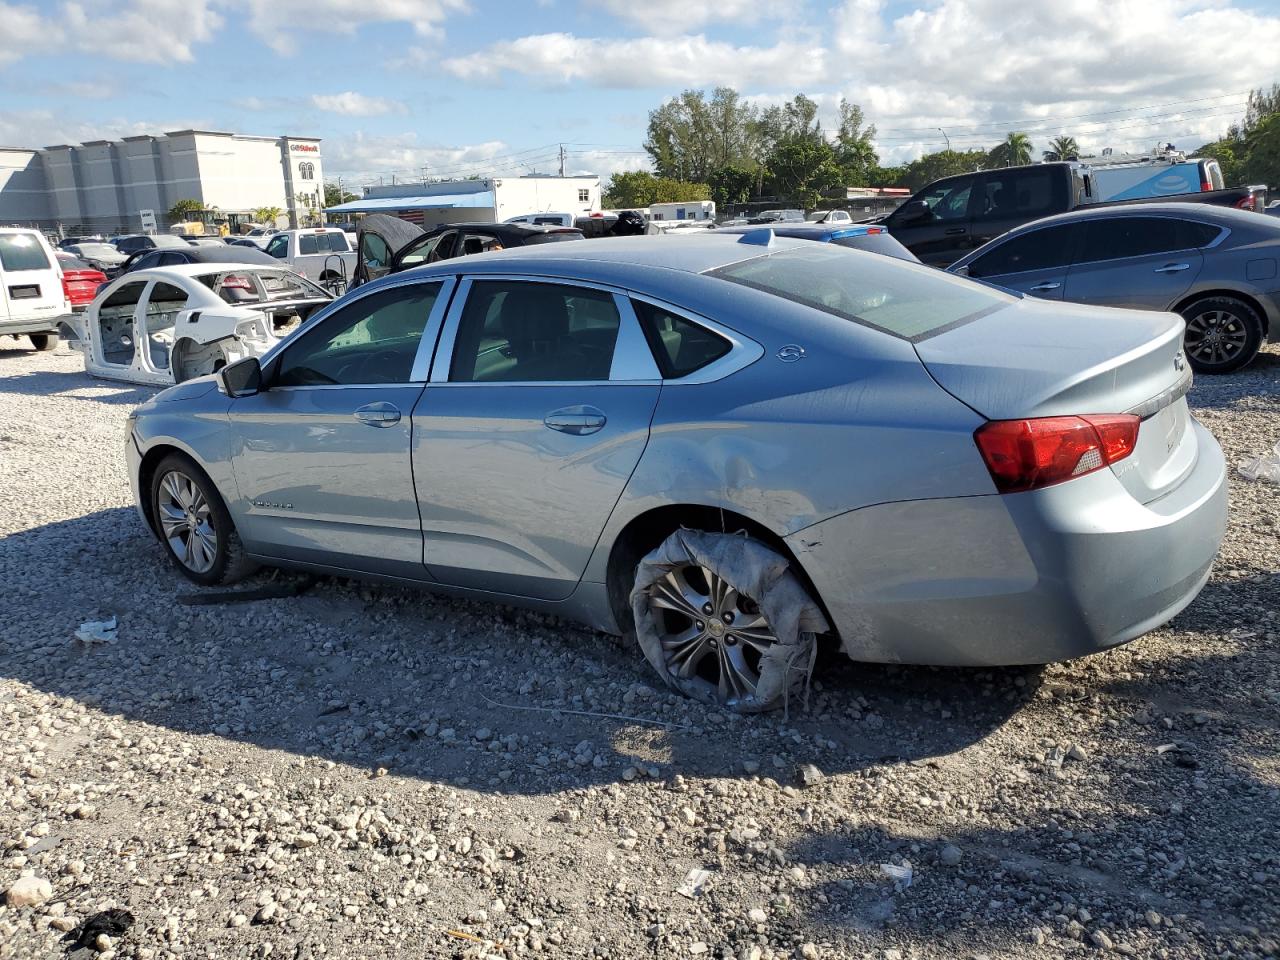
(22, 251)
(948, 201)
(422, 252)
(1117, 237)
(278, 247)
(1194, 234)
(553, 237)
(311, 243)
(374, 339)
(679, 345)
(902, 299)
(1036, 250)
(534, 332)
(1019, 193)
(170, 259)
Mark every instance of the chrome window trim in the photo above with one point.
(743, 351)
(642, 369)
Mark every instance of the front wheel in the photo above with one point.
(1223, 334)
(44, 342)
(194, 525)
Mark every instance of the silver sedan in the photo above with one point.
(725, 446)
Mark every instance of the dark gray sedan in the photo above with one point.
(1218, 268)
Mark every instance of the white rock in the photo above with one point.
(28, 892)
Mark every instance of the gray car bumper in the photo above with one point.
(1026, 578)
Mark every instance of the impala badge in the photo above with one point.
(1179, 361)
(791, 353)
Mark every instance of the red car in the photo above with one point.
(79, 280)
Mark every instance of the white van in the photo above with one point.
(33, 299)
(1159, 175)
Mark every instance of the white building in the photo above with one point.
(687, 210)
(488, 200)
(103, 185)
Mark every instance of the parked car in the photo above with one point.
(1157, 175)
(1214, 266)
(186, 253)
(724, 445)
(166, 325)
(389, 244)
(954, 215)
(80, 280)
(319, 253)
(544, 219)
(33, 299)
(859, 236)
(829, 216)
(777, 216)
(206, 241)
(100, 256)
(142, 241)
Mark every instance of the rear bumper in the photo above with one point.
(1018, 579)
(46, 324)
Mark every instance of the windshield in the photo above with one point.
(901, 299)
(244, 286)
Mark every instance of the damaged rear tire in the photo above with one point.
(193, 524)
(724, 619)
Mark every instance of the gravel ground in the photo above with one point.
(360, 771)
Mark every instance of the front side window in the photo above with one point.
(902, 299)
(679, 345)
(422, 253)
(279, 246)
(1035, 250)
(372, 340)
(1118, 237)
(512, 331)
(949, 201)
(374, 251)
(22, 251)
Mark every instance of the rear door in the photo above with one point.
(1034, 261)
(536, 415)
(1005, 199)
(1146, 262)
(30, 279)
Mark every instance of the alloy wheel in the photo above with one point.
(187, 522)
(710, 630)
(1215, 337)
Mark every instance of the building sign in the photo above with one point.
(148, 218)
(304, 148)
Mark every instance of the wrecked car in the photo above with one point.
(724, 447)
(166, 325)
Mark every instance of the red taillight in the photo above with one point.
(1205, 186)
(1028, 454)
(66, 287)
(872, 231)
(1247, 203)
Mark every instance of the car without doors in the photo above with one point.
(724, 446)
(165, 325)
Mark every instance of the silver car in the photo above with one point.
(1215, 266)
(727, 445)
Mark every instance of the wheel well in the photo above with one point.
(1233, 295)
(147, 470)
(648, 530)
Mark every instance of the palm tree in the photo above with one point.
(1062, 147)
(1017, 148)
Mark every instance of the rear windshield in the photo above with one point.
(22, 251)
(261, 286)
(905, 300)
(96, 250)
(309, 243)
(167, 240)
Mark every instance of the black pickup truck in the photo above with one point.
(952, 216)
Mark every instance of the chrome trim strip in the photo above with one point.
(1149, 408)
(632, 359)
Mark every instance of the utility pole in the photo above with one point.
(945, 137)
(562, 160)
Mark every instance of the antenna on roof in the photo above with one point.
(761, 238)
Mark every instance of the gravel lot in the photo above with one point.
(359, 771)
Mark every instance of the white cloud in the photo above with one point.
(352, 104)
(25, 31)
(670, 17)
(278, 22)
(644, 62)
(147, 31)
(41, 128)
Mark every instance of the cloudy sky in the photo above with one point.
(456, 87)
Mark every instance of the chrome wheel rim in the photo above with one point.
(710, 631)
(187, 522)
(1215, 336)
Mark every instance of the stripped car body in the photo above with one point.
(169, 324)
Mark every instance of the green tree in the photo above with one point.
(1261, 163)
(1229, 152)
(731, 184)
(334, 195)
(1062, 147)
(944, 163)
(1014, 151)
(266, 214)
(803, 169)
(639, 188)
(854, 151)
(183, 210)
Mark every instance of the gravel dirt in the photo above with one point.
(363, 771)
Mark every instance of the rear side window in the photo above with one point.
(1118, 237)
(1020, 193)
(905, 300)
(679, 345)
(1194, 234)
(22, 251)
(1035, 250)
(311, 243)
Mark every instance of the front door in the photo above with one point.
(939, 236)
(536, 415)
(322, 459)
(1134, 261)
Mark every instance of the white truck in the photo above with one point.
(322, 254)
(33, 297)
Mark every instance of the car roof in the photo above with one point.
(200, 269)
(227, 253)
(809, 231)
(511, 229)
(1226, 216)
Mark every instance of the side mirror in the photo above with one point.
(913, 210)
(241, 379)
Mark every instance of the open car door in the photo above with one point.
(378, 237)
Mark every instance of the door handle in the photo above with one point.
(579, 420)
(1173, 268)
(955, 231)
(380, 414)
(1047, 285)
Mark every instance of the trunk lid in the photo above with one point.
(1038, 359)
